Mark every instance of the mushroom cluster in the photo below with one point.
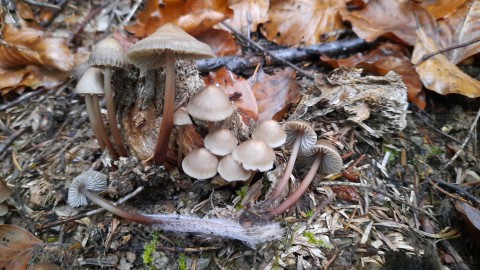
(161, 49)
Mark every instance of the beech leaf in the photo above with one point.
(256, 9)
(221, 41)
(16, 246)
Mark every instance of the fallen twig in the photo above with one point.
(41, 4)
(458, 189)
(432, 54)
(21, 99)
(10, 140)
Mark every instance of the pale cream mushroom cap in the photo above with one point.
(181, 118)
(254, 155)
(200, 164)
(332, 160)
(91, 82)
(91, 180)
(271, 132)
(303, 129)
(221, 142)
(149, 53)
(107, 53)
(230, 170)
(210, 104)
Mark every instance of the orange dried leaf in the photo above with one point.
(380, 17)
(221, 42)
(442, 8)
(257, 9)
(16, 245)
(346, 193)
(28, 46)
(274, 93)
(380, 61)
(302, 22)
(231, 84)
(194, 16)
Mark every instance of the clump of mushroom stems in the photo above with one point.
(295, 196)
(93, 121)
(252, 236)
(101, 126)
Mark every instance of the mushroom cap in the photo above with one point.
(91, 82)
(254, 155)
(331, 162)
(221, 142)
(5, 191)
(271, 132)
(230, 170)
(303, 129)
(149, 53)
(210, 104)
(91, 180)
(200, 164)
(181, 118)
(107, 53)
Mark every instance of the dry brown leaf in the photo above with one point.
(30, 76)
(346, 193)
(380, 17)
(16, 245)
(380, 61)
(221, 42)
(274, 93)
(194, 16)
(257, 9)
(302, 22)
(471, 214)
(438, 73)
(28, 46)
(233, 85)
(442, 8)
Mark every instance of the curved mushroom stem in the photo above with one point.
(288, 171)
(295, 196)
(112, 119)
(168, 110)
(116, 210)
(93, 121)
(101, 127)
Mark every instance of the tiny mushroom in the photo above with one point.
(200, 164)
(221, 142)
(181, 119)
(81, 188)
(91, 86)
(254, 155)
(300, 136)
(108, 54)
(163, 48)
(271, 132)
(230, 170)
(326, 159)
(211, 104)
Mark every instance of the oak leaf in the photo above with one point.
(302, 22)
(380, 61)
(16, 246)
(193, 16)
(233, 85)
(255, 11)
(274, 93)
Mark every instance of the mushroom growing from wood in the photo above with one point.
(326, 159)
(300, 137)
(90, 85)
(108, 55)
(231, 170)
(168, 44)
(181, 119)
(254, 155)
(200, 164)
(221, 142)
(271, 132)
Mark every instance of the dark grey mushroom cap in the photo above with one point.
(302, 129)
(91, 180)
(331, 161)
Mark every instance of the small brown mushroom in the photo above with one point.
(326, 159)
(162, 48)
(107, 55)
(221, 142)
(91, 86)
(200, 164)
(254, 155)
(300, 137)
(271, 132)
(231, 170)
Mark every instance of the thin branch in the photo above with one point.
(458, 189)
(41, 4)
(432, 54)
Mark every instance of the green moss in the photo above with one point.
(310, 213)
(242, 192)
(316, 241)
(182, 262)
(149, 249)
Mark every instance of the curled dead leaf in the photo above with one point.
(16, 246)
(221, 42)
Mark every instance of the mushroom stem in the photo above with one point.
(288, 171)
(295, 196)
(112, 119)
(101, 127)
(116, 210)
(168, 110)
(93, 121)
